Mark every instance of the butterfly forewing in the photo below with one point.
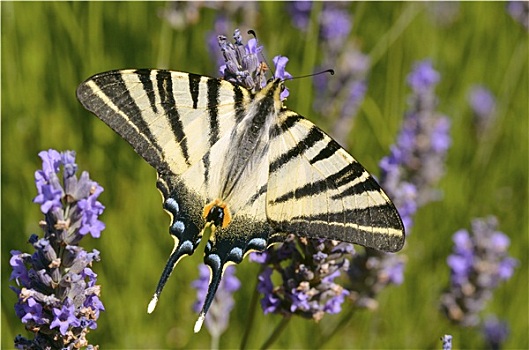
(171, 119)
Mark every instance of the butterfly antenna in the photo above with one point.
(266, 65)
(330, 71)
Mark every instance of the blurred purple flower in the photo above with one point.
(218, 317)
(300, 13)
(342, 95)
(478, 264)
(408, 174)
(59, 299)
(221, 25)
(423, 77)
(483, 104)
(335, 23)
(519, 11)
(495, 332)
(372, 271)
(416, 163)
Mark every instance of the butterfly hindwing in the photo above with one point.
(328, 194)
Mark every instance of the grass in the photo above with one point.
(48, 48)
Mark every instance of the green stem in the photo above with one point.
(341, 325)
(215, 340)
(408, 14)
(276, 333)
(251, 317)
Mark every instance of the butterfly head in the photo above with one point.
(272, 93)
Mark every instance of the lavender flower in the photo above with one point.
(371, 272)
(495, 332)
(243, 66)
(519, 11)
(300, 13)
(221, 25)
(335, 22)
(447, 342)
(58, 296)
(308, 286)
(218, 317)
(483, 105)
(478, 264)
(413, 167)
(343, 94)
(416, 162)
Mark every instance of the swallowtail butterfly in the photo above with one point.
(239, 163)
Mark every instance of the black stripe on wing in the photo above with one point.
(318, 226)
(213, 86)
(289, 122)
(310, 140)
(145, 78)
(165, 91)
(336, 180)
(134, 130)
(194, 80)
(238, 97)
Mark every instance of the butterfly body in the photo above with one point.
(240, 163)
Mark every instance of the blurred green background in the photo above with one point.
(48, 48)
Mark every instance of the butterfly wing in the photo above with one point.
(185, 126)
(180, 123)
(316, 189)
(170, 118)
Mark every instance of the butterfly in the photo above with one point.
(241, 164)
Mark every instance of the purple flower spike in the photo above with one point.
(243, 65)
(59, 299)
(423, 77)
(409, 175)
(519, 11)
(483, 105)
(218, 316)
(308, 269)
(495, 332)
(335, 24)
(478, 264)
(51, 160)
(416, 163)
